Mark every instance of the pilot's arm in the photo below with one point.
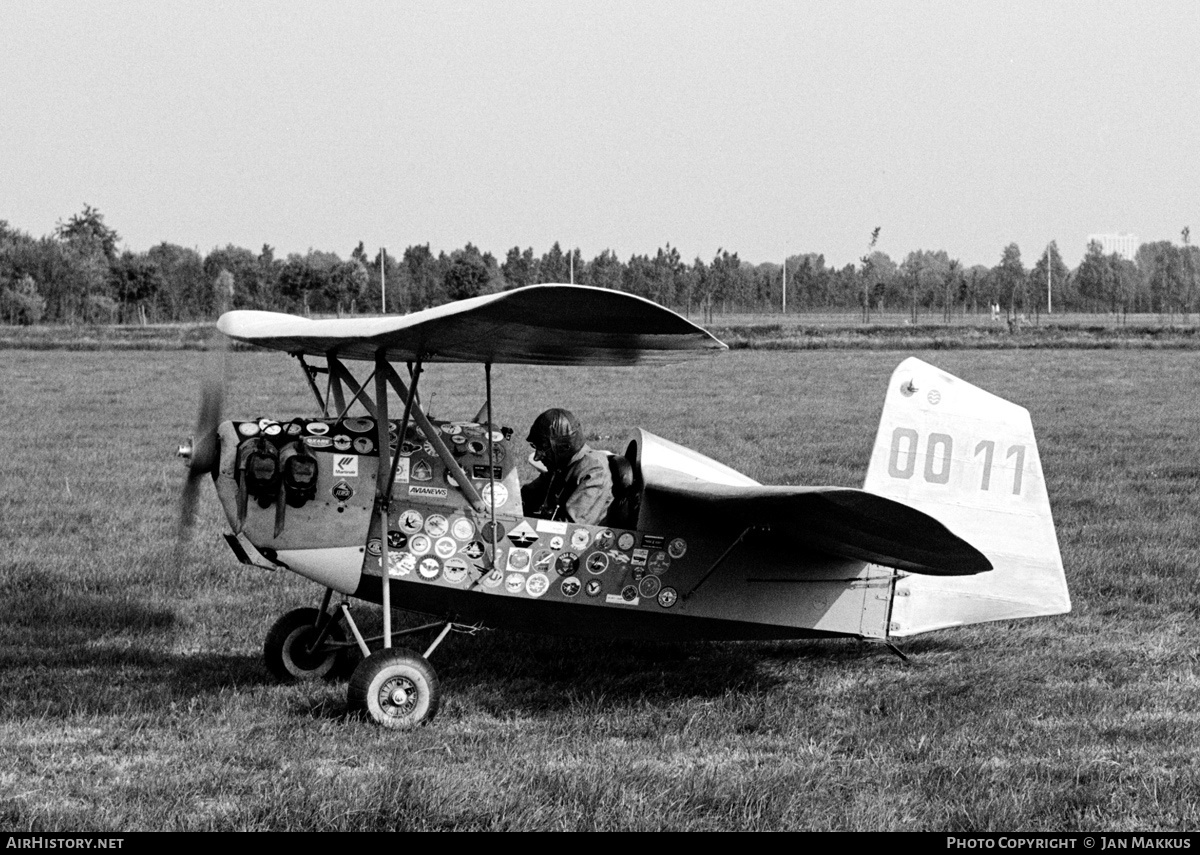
(593, 492)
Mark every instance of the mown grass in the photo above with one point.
(132, 695)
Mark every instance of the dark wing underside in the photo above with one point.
(837, 520)
(535, 325)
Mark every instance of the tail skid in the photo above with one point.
(969, 459)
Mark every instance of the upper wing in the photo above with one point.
(840, 521)
(535, 325)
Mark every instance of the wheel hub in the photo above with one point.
(398, 696)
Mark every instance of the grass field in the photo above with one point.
(132, 695)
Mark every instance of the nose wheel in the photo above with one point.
(395, 688)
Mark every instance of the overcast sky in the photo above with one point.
(763, 128)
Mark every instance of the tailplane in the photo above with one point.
(969, 459)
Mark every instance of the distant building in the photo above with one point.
(1123, 245)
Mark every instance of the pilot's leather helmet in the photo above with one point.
(556, 437)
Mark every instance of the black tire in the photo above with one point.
(285, 653)
(395, 688)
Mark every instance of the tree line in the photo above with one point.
(78, 274)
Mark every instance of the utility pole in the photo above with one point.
(783, 284)
(382, 280)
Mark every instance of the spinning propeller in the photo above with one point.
(201, 451)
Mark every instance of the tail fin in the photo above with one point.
(968, 459)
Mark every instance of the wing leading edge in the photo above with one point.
(535, 325)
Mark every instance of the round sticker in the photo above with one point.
(273, 430)
(293, 429)
(262, 424)
(499, 490)
(592, 588)
(580, 539)
(429, 568)
(436, 525)
(629, 593)
(358, 425)
(567, 564)
(476, 447)
(556, 542)
(318, 428)
(518, 559)
(397, 539)
(496, 436)
(493, 579)
(420, 544)
(462, 528)
(341, 442)
(570, 586)
(458, 439)
(515, 583)
(658, 563)
(401, 563)
(474, 550)
(454, 570)
(248, 429)
(537, 584)
(677, 548)
(451, 430)
(626, 540)
(604, 538)
(597, 563)
(649, 586)
(667, 597)
(410, 521)
(493, 531)
(363, 445)
(543, 560)
(445, 547)
(375, 546)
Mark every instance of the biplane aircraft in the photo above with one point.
(952, 527)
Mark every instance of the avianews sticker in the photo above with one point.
(428, 492)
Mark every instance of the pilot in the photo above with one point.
(577, 485)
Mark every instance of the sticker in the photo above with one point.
(318, 428)
(450, 479)
(342, 491)
(428, 492)
(427, 447)
(410, 521)
(375, 546)
(408, 448)
(543, 560)
(551, 527)
(537, 584)
(273, 430)
(493, 579)
(492, 531)
(496, 436)
(640, 556)
(341, 442)
(592, 588)
(522, 535)
(934, 397)
(401, 563)
(444, 547)
(649, 587)
(477, 448)
(462, 528)
(345, 466)
(497, 453)
(570, 586)
(515, 583)
(294, 429)
(480, 472)
(248, 429)
(667, 597)
(359, 425)
(474, 550)
(429, 568)
(556, 542)
(677, 548)
(436, 525)
(451, 430)
(498, 490)
(580, 539)
(363, 445)
(597, 563)
(659, 562)
(318, 441)
(420, 544)
(626, 540)
(619, 557)
(519, 560)
(604, 538)
(401, 470)
(454, 570)
(422, 471)
(627, 597)
(397, 539)
(567, 564)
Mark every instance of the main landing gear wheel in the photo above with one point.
(286, 650)
(396, 688)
